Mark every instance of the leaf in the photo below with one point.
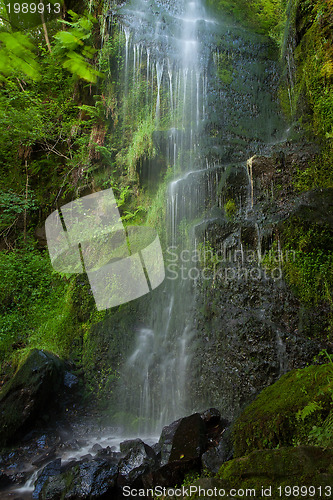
(77, 65)
(308, 410)
(68, 40)
(16, 54)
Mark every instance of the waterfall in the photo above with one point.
(204, 131)
(175, 71)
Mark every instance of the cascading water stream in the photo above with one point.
(209, 110)
(176, 71)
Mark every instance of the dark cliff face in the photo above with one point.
(251, 326)
(252, 321)
(257, 319)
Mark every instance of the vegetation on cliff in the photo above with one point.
(66, 131)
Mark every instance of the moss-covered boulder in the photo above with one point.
(82, 481)
(301, 472)
(27, 395)
(283, 468)
(285, 413)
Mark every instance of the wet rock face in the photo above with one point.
(213, 458)
(52, 469)
(27, 395)
(251, 328)
(316, 207)
(140, 459)
(183, 439)
(181, 449)
(84, 480)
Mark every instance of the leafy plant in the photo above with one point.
(17, 54)
(13, 205)
(320, 435)
(74, 47)
(230, 209)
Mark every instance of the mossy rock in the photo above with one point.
(274, 471)
(302, 466)
(270, 420)
(27, 395)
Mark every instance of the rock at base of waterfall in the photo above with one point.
(184, 439)
(29, 394)
(215, 426)
(212, 416)
(129, 444)
(213, 458)
(82, 481)
(97, 447)
(51, 469)
(139, 460)
(171, 474)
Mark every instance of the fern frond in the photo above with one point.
(308, 410)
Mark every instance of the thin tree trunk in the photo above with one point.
(46, 35)
(26, 203)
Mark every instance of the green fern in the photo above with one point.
(308, 410)
(328, 423)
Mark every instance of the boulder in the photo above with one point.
(27, 395)
(270, 470)
(171, 474)
(109, 453)
(211, 417)
(51, 469)
(71, 381)
(97, 447)
(84, 480)
(213, 458)
(5, 480)
(129, 444)
(139, 460)
(215, 425)
(184, 439)
(271, 419)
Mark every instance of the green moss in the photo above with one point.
(310, 95)
(282, 474)
(319, 172)
(264, 16)
(306, 258)
(283, 468)
(271, 420)
(230, 209)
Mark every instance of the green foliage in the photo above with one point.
(319, 172)
(207, 255)
(17, 54)
(230, 209)
(190, 477)
(275, 417)
(12, 205)
(308, 410)
(74, 48)
(224, 68)
(265, 16)
(156, 214)
(32, 297)
(141, 146)
(311, 95)
(310, 272)
(320, 435)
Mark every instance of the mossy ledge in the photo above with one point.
(271, 420)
